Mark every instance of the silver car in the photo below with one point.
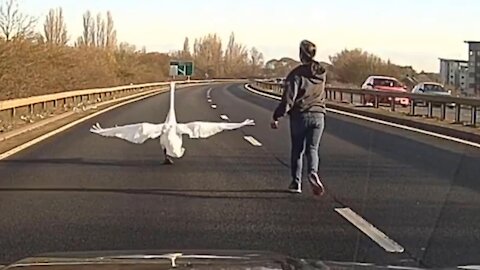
(431, 88)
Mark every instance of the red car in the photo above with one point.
(385, 84)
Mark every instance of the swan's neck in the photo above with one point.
(171, 118)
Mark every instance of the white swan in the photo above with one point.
(170, 132)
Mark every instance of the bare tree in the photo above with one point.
(208, 54)
(127, 47)
(92, 30)
(87, 38)
(100, 32)
(186, 49)
(13, 23)
(111, 33)
(353, 66)
(55, 29)
(256, 61)
(236, 58)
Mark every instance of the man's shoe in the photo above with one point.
(295, 188)
(317, 186)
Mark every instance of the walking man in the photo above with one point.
(304, 100)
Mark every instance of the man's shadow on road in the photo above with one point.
(262, 194)
(204, 162)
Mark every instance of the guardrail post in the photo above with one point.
(430, 110)
(362, 99)
(55, 103)
(351, 98)
(341, 96)
(443, 111)
(334, 95)
(44, 105)
(473, 120)
(31, 108)
(375, 101)
(13, 112)
(392, 105)
(458, 112)
(412, 108)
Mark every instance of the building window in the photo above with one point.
(471, 53)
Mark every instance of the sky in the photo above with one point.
(408, 32)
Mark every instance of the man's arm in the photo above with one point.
(288, 98)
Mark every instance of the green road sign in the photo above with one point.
(181, 68)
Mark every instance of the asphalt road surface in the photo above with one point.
(77, 191)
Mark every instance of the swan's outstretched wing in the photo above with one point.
(206, 129)
(135, 133)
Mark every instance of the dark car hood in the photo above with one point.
(185, 259)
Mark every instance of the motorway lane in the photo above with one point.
(77, 191)
(421, 191)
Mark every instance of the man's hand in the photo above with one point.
(274, 124)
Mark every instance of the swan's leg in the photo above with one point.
(168, 160)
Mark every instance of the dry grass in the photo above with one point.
(28, 69)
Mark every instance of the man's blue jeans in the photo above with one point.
(306, 130)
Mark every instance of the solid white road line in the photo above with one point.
(213, 106)
(69, 125)
(208, 93)
(469, 267)
(371, 231)
(366, 118)
(224, 117)
(261, 93)
(252, 140)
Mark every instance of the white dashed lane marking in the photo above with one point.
(208, 93)
(371, 231)
(224, 117)
(213, 106)
(252, 141)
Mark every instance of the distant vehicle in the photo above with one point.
(385, 84)
(431, 88)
